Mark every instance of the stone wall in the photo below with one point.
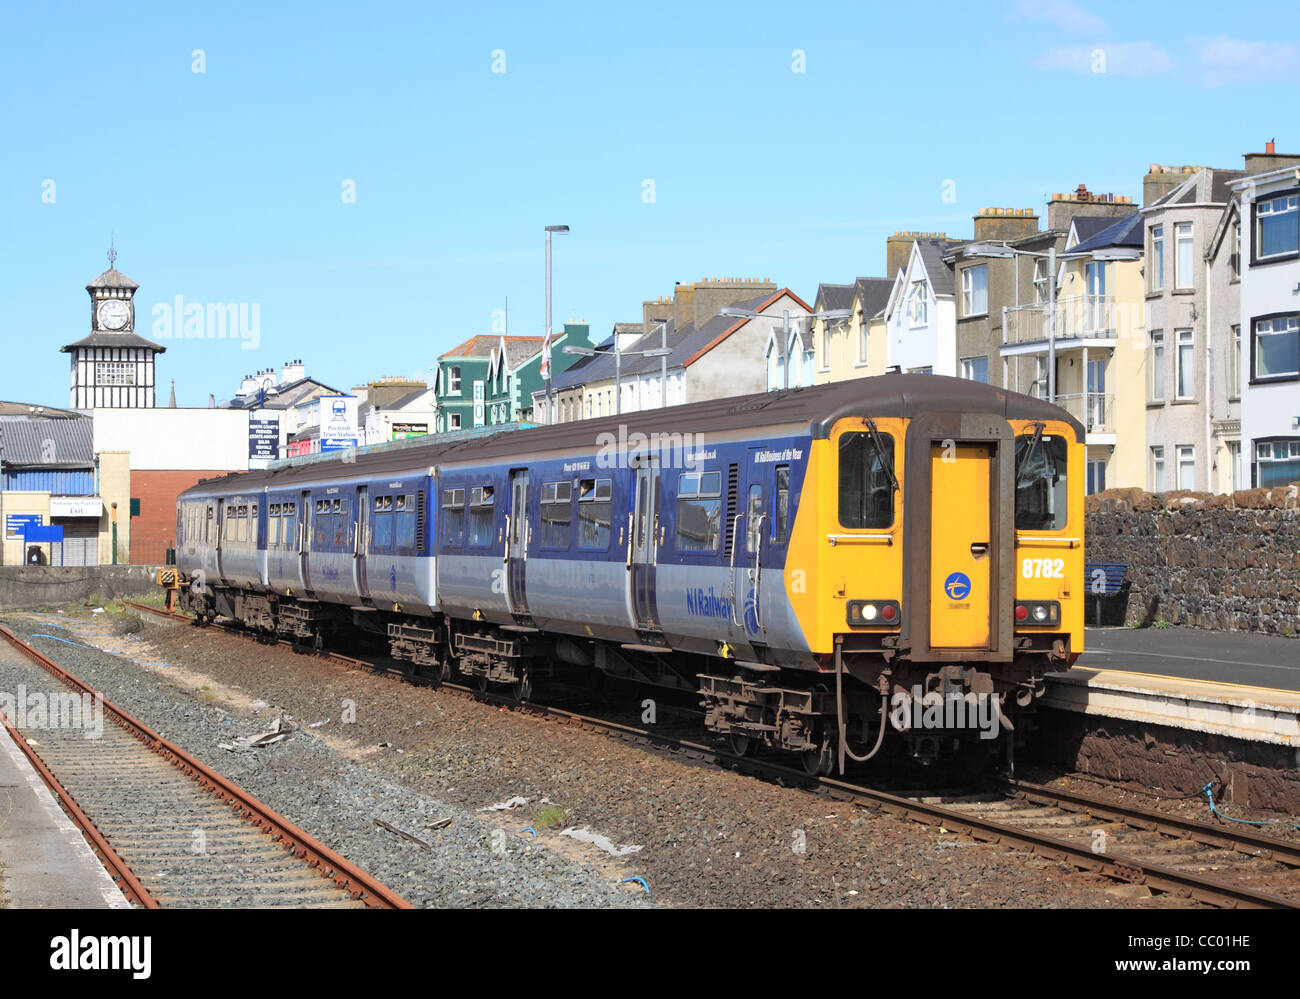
(1229, 562)
(28, 587)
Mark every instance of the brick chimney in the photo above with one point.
(1062, 207)
(699, 301)
(898, 248)
(1269, 159)
(998, 224)
(1160, 180)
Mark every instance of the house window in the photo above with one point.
(453, 421)
(1096, 475)
(1042, 292)
(1186, 365)
(826, 344)
(453, 381)
(115, 373)
(1234, 365)
(1277, 462)
(1234, 258)
(1040, 378)
(976, 369)
(1157, 469)
(1183, 256)
(1276, 229)
(1157, 279)
(1156, 366)
(1276, 352)
(862, 344)
(975, 291)
(1186, 466)
(918, 306)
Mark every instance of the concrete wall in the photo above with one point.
(30, 587)
(1228, 562)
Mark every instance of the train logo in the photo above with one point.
(751, 613)
(957, 586)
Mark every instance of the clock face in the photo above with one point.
(114, 314)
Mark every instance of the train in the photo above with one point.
(830, 570)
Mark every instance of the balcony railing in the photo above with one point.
(1095, 410)
(1076, 318)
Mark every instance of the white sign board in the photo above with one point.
(338, 422)
(76, 506)
(478, 404)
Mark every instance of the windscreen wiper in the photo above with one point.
(886, 460)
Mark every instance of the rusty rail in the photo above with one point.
(356, 882)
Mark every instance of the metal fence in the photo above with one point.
(1076, 318)
(1095, 410)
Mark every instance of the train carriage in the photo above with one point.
(801, 559)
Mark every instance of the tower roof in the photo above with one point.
(112, 278)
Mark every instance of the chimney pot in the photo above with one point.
(1269, 147)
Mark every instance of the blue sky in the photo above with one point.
(227, 185)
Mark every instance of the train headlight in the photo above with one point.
(873, 613)
(1038, 613)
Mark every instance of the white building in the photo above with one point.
(921, 316)
(1270, 324)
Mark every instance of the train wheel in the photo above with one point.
(818, 762)
(741, 745)
(523, 687)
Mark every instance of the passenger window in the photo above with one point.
(754, 519)
(1042, 501)
(594, 513)
(382, 533)
(866, 492)
(482, 515)
(404, 528)
(699, 511)
(453, 517)
(557, 514)
(781, 526)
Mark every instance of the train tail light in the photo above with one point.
(1038, 613)
(874, 613)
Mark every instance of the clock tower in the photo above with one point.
(113, 367)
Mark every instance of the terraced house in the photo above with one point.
(853, 347)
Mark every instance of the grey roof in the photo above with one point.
(24, 411)
(519, 351)
(285, 396)
(873, 293)
(1087, 226)
(833, 296)
(932, 253)
(1192, 190)
(118, 340)
(403, 401)
(48, 443)
(112, 278)
(1124, 232)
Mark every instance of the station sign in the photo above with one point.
(338, 422)
(16, 524)
(76, 506)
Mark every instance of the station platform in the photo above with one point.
(1237, 685)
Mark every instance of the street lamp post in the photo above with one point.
(662, 352)
(550, 375)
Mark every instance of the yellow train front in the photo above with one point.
(936, 568)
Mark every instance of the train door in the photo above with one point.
(961, 531)
(517, 538)
(306, 523)
(219, 535)
(361, 543)
(752, 524)
(643, 545)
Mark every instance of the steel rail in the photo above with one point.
(330, 865)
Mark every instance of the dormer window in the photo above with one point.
(918, 311)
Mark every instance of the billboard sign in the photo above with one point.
(263, 441)
(338, 422)
(478, 404)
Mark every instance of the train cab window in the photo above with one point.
(754, 519)
(381, 534)
(781, 523)
(1042, 502)
(404, 522)
(699, 511)
(453, 517)
(557, 514)
(482, 515)
(866, 488)
(595, 509)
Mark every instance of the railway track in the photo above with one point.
(171, 831)
(1201, 861)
